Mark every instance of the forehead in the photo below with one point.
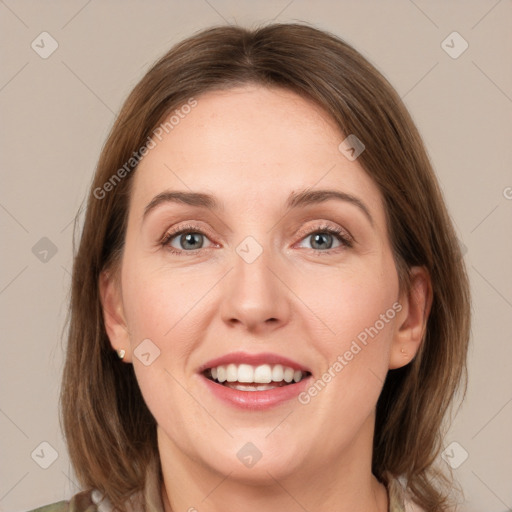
(249, 144)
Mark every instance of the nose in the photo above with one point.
(254, 297)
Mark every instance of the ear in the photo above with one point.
(412, 319)
(113, 314)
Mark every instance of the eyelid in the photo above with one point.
(186, 228)
(324, 226)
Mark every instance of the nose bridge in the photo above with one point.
(254, 295)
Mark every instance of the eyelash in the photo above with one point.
(343, 237)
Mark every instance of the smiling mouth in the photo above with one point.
(250, 378)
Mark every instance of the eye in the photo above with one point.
(190, 238)
(187, 239)
(322, 239)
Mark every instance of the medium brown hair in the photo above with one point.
(111, 434)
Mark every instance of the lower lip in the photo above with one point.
(256, 400)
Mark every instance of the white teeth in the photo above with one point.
(262, 374)
(245, 373)
(288, 374)
(245, 387)
(277, 373)
(231, 373)
(221, 373)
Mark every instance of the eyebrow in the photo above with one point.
(295, 200)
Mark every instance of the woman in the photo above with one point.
(303, 351)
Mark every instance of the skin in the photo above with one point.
(251, 147)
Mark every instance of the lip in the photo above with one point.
(254, 360)
(256, 400)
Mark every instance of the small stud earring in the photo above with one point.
(402, 350)
(121, 353)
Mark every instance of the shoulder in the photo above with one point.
(82, 502)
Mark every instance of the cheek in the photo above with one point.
(158, 302)
(158, 307)
(344, 302)
(354, 318)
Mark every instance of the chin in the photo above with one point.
(257, 461)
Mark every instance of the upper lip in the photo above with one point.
(252, 359)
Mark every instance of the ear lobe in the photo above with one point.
(113, 314)
(412, 319)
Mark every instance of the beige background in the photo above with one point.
(57, 112)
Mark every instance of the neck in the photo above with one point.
(232, 497)
(344, 484)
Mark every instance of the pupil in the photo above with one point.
(189, 238)
(321, 236)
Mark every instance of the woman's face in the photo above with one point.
(276, 275)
